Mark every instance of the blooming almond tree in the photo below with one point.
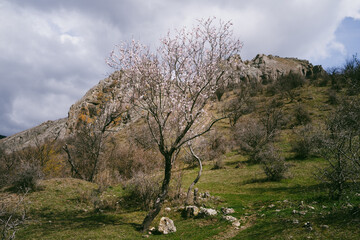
(172, 85)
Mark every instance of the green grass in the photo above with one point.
(63, 208)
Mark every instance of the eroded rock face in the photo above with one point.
(47, 131)
(104, 97)
(264, 68)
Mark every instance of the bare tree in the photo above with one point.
(86, 147)
(238, 106)
(341, 149)
(171, 87)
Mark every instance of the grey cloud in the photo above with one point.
(53, 51)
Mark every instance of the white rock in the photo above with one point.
(236, 224)
(208, 211)
(227, 211)
(166, 225)
(230, 218)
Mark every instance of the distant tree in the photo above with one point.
(351, 71)
(171, 87)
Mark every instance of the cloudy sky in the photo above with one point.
(53, 51)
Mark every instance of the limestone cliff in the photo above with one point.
(102, 98)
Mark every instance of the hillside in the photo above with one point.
(262, 68)
(296, 206)
(268, 161)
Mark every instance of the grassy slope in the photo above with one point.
(64, 208)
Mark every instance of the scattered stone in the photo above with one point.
(311, 207)
(166, 225)
(324, 226)
(230, 218)
(145, 236)
(295, 221)
(308, 226)
(295, 211)
(236, 224)
(285, 201)
(190, 211)
(167, 209)
(207, 211)
(271, 206)
(227, 211)
(152, 229)
(206, 195)
(302, 213)
(357, 194)
(277, 210)
(323, 206)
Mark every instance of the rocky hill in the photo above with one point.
(263, 68)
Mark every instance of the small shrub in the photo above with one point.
(272, 163)
(26, 179)
(218, 164)
(306, 142)
(287, 84)
(332, 97)
(302, 115)
(142, 191)
(251, 137)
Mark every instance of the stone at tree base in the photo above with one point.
(227, 211)
(166, 225)
(190, 211)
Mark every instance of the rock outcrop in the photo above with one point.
(103, 98)
(47, 131)
(267, 68)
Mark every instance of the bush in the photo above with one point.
(301, 114)
(287, 84)
(218, 164)
(332, 97)
(272, 163)
(305, 142)
(142, 191)
(251, 137)
(26, 179)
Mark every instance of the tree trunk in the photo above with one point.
(196, 179)
(161, 197)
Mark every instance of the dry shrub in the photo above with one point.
(301, 115)
(218, 163)
(26, 178)
(272, 163)
(129, 159)
(142, 190)
(251, 137)
(306, 141)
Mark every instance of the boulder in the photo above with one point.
(207, 212)
(166, 225)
